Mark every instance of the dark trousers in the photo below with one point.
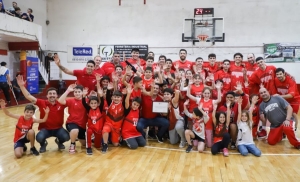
(161, 122)
(61, 134)
(136, 142)
(5, 88)
(17, 93)
(216, 147)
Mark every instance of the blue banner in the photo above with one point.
(2, 4)
(32, 75)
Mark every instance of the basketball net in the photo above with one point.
(202, 39)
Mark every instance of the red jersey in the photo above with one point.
(219, 131)
(147, 104)
(99, 71)
(115, 115)
(211, 69)
(288, 86)
(207, 107)
(234, 109)
(77, 112)
(55, 117)
(236, 75)
(197, 92)
(86, 80)
(133, 62)
(135, 93)
(108, 68)
(265, 77)
(22, 128)
(147, 82)
(226, 77)
(95, 120)
(186, 65)
(250, 68)
(129, 125)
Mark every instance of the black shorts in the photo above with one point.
(21, 142)
(81, 134)
(198, 138)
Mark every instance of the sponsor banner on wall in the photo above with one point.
(32, 75)
(106, 51)
(282, 52)
(81, 54)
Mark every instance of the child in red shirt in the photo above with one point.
(24, 132)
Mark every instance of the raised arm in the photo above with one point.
(128, 72)
(6, 112)
(175, 99)
(62, 68)
(228, 113)
(127, 99)
(47, 110)
(62, 98)
(240, 100)
(186, 112)
(254, 100)
(215, 106)
(27, 95)
(205, 115)
(189, 95)
(83, 100)
(218, 87)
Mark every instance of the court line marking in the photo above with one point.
(208, 152)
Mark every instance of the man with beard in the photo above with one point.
(110, 66)
(183, 63)
(53, 125)
(251, 66)
(135, 61)
(148, 118)
(85, 77)
(279, 113)
(238, 72)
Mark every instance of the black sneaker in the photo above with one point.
(43, 147)
(283, 136)
(104, 148)
(34, 151)
(232, 146)
(89, 151)
(60, 145)
(159, 139)
(295, 128)
(189, 148)
(24, 148)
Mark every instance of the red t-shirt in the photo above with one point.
(135, 93)
(85, 79)
(288, 86)
(186, 65)
(211, 69)
(77, 112)
(236, 75)
(134, 63)
(115, 115)
(22, 128)
(129, 125)
(147, 83)
(100, 71)
(108, 68)
(95, 120)
(197, 92)
(218, 130)
(56, 115)
(147, 103)
(266, 77)
(207, 107)
(226, 77)
(250, 68)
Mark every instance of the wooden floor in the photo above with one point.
(156, 162)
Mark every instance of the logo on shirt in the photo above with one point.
(271, 107)
(266, 79)
(82, 51)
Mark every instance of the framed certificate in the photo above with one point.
(160, 107)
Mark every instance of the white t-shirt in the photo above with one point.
(244, 134)
(198, 125)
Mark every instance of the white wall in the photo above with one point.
(248, 24)
(39, 8)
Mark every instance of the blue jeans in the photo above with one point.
(61, 134)
(161, 122)
(245, 149)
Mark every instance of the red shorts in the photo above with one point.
(115, 133)
(295, 108)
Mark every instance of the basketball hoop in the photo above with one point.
(202, 37)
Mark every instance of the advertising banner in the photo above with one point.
(32, 75)
(81, 54)
(282, 52)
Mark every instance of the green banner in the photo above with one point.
(282, 52)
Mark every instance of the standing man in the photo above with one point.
(279, 113)
(251, 66)
(110, 66)
(182, 62)
(98, 69)
(5, 81)
(85, 77)
(287, 89)
(135, 61)
(224, 75)
(264, 75)
(211, 66)
(53, 125)
(238, 72)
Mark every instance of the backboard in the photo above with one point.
(213, 27)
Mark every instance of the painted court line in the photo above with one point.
(231, 153)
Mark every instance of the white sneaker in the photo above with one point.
(72, 149)
(182, 144)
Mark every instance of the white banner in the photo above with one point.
(81, 54)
